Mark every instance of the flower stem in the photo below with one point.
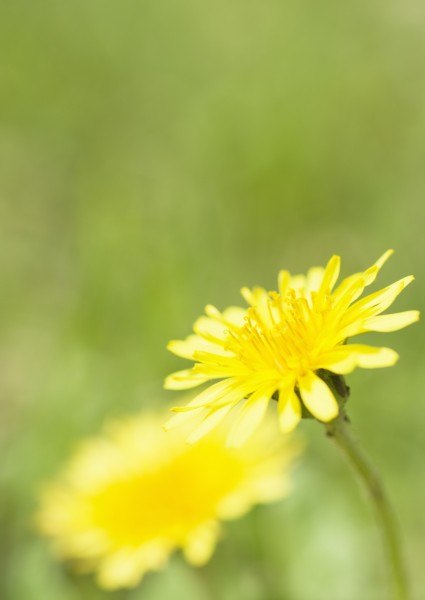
(338, 431)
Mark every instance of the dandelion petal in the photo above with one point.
(184, 380)
(318, 398)
(289, 411)
(345, 359)
(250, 417)
(392, 322)
(212, 419)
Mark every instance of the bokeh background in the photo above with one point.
(154, 157)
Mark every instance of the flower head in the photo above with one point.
(279, 345)
(132, 496)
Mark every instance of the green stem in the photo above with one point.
(338, 431)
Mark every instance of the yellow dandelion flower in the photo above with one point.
(281, 343)
(132, 496)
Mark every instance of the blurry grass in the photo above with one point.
(155, 157)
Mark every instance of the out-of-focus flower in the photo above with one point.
(132, 496)
(281, 344)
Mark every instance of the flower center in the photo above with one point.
(284, 335)
(138, 508)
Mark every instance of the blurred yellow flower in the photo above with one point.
(278, 345)
(132, 496)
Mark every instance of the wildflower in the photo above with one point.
(132, 496)
(281, 344)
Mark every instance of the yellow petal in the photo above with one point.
(379, 301)
(215, 359)
(289, 408)
(331, 274)
(125, 567)
(255, 296)
(250, 417)
(210, 329)
(339, 361)
(381, 323)
(200, 544)
(233, 316)
(349, 290)
(298, 283)
(318, 398)
(369, 357)
(383, 259)
(314, 278)
(213, 418)
(260, 302)
(185, 348)
(371, 273)
(215, 371)
(392, 322)
(345, 359)
(284, 279)
(218, 394)
(180, 417)
(184, 380)
(352, 287)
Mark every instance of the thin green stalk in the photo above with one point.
(338, 431)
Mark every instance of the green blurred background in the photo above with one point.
(157, 155)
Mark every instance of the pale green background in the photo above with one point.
(157, 155)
